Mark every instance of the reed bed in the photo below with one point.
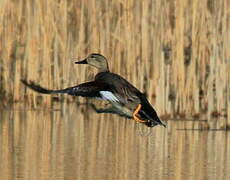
(175, 51)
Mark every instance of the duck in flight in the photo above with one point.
(123, 97)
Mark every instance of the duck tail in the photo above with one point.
(149, 112)
(161, 122)
(156, 120)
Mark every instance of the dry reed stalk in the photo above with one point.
(176, 51)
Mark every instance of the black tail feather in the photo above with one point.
(149, 113)
(152, 121)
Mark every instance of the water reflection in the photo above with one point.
(77, 143)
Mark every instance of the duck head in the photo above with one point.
(96, 60)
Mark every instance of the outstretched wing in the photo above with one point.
(88, 89)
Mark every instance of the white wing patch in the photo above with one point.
(107, 95)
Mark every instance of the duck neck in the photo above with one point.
(104, 68)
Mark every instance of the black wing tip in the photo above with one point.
(24, 82)
(29, 84)
(35, 87)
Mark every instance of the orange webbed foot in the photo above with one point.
(135, 114)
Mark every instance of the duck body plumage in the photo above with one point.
(129, 96)
(120, 87)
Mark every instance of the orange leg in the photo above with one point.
(135, 117)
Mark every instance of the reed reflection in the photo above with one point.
(77, 143)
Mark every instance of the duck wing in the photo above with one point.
(88, 89)
(120, 87)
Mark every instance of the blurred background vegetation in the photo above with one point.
(176, 51)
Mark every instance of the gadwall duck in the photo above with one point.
(125, 99)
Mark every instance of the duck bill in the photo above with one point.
(81, 62)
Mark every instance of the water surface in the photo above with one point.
(76, 143)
